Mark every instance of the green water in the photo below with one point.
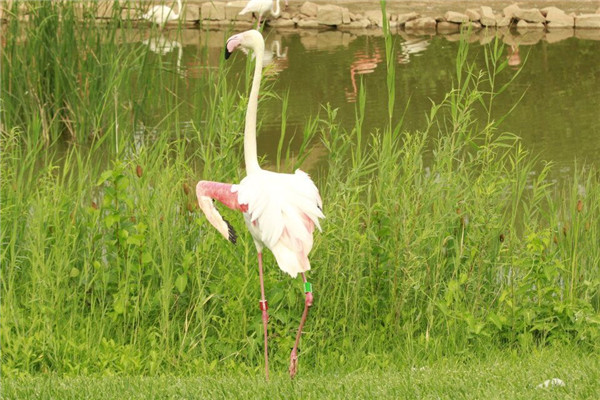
(558, 116)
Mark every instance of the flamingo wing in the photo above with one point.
(257, 6)
(283, 210)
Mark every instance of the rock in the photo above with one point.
(562, 24)
(232, 11)
(286, 15)
(422, 24)
(105, 9)
(522, 24)
(127, 14)
(473, 15)
(587, 21)
(309, 9)
(282, 23)
(487, 17)
(241, 25)
(447, 27)
(308, 23)
(502, 20)
(375, 17)
(529, 15)
(404, 18)
(475, 26)
(598, 10)
(346, 17)
(357, 17)
(213, 11)
(456, 17)
(359, 24)
(546, 10)
(510, 11)
(557, 18)
(329, 15)
(192, 13)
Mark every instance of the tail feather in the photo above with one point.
(290, 261)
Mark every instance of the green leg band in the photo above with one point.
(307, 287)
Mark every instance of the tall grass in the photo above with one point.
(441, 241)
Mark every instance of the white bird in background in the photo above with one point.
(261, 7)
(160, 15)
(280, 210)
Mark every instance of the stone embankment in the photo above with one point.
(311, 15)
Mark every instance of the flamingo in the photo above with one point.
(280, 210)
(261, 7)
(160, 15)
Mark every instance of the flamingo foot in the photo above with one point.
(293, 364)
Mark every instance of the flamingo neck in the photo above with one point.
(250, 154)
(176, 15)
(275, 11)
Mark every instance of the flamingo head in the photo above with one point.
(249, 40)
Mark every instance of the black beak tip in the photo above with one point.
(227, 53)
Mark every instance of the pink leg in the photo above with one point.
(307, 303)
(265, 314)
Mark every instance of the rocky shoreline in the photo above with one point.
(311, 15)
(314, 16)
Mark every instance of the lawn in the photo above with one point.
(498, 375)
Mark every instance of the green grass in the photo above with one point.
(448, 241)
(495, 376)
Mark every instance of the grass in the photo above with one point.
(495, 376)
(439, 243)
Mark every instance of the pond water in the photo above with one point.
(558, 117)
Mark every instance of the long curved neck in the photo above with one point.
(250, 155)
(275, 11)
(176, 15)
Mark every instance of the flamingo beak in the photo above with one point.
(232, 44)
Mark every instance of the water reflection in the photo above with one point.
(365, 62)
(326, 68)
(163, 46)
(274, 59)
(412, 46)
(514, 58)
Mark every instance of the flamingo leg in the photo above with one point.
(265, 314)
(307, 304)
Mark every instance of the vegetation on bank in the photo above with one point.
(436, 242)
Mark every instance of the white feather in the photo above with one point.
(282, 212)
(261, 7)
